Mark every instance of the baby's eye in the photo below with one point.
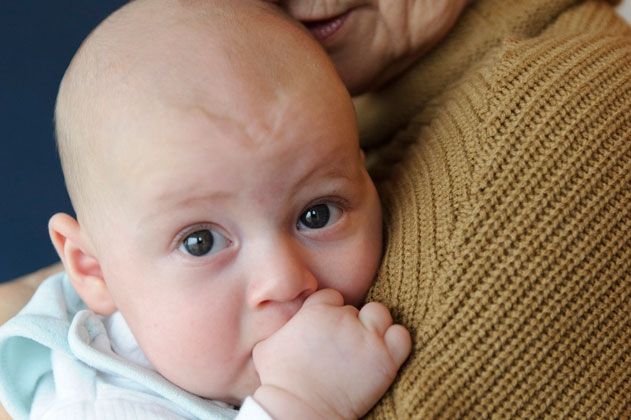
(204, 241)
(319, 216)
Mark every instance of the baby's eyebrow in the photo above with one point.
(181, 198)
(336, 168)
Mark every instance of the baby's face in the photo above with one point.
(220, 226)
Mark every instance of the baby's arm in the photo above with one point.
(330, 360)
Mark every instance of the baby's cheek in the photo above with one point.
(185, 346)
(362, 272)
(369, 253)
(196, 359)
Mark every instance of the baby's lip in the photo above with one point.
(324, 28)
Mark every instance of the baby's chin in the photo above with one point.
(245, 386)
(250, 384)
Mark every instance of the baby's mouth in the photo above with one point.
(325, 28)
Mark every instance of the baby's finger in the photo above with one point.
(399, 343)
(325, 296)
(375, 317)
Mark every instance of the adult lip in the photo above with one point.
(323, 29)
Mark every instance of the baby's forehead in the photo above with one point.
(196, 155)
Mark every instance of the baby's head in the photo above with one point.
(211, 154)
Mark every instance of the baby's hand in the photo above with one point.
(329, 360)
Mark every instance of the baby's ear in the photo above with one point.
(81, 265)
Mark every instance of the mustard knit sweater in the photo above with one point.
(504, 164)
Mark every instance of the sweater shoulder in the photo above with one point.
(562, 82)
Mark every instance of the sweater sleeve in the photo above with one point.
(508, 234)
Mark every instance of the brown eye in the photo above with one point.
(203, 242)
(315, 217)
(318, 216)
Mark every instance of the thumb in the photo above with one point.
(325, 297)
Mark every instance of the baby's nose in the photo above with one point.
(280, 274)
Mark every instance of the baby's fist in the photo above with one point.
(335, 360)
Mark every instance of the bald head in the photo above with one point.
(227, 58)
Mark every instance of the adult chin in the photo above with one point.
(361, 75)
(358, 76)
(348, 36)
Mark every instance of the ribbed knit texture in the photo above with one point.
(504, 164)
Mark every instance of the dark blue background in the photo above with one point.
(37, 40)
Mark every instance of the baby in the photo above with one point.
(226, 230)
